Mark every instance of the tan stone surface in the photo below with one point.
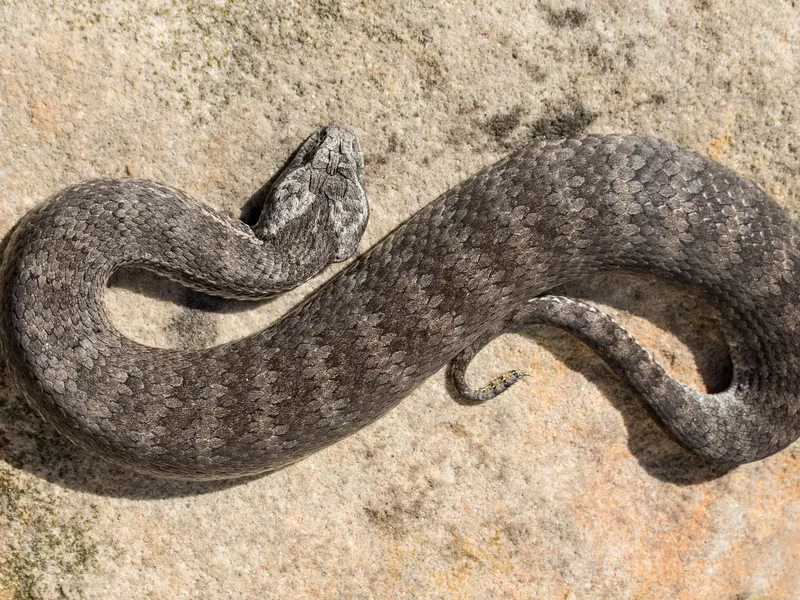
(563, 488)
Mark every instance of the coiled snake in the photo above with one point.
(473, 263)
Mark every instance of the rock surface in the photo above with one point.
(562, 488)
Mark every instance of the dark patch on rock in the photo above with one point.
(403, 510)
(192, 330)
(193, 327)
(501, 125)
(597, 59)
(393, 145)
(568, 18)
(327, 9)
(459, 135)
(517, 532)
(658, 99)
(432, 72)
(654, 99)
(563, 122)
(535, 72)
(606, 60)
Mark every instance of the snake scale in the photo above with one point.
(475, 262)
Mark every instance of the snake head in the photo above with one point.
(321, 193)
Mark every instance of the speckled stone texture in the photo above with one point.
(563, 487)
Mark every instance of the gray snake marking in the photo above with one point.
(473, 263)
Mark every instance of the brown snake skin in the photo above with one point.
(471, 264)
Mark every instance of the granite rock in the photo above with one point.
(563, 487)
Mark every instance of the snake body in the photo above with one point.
(473, 263)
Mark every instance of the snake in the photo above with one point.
(479, 260)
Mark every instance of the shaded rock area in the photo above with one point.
(563, 487)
